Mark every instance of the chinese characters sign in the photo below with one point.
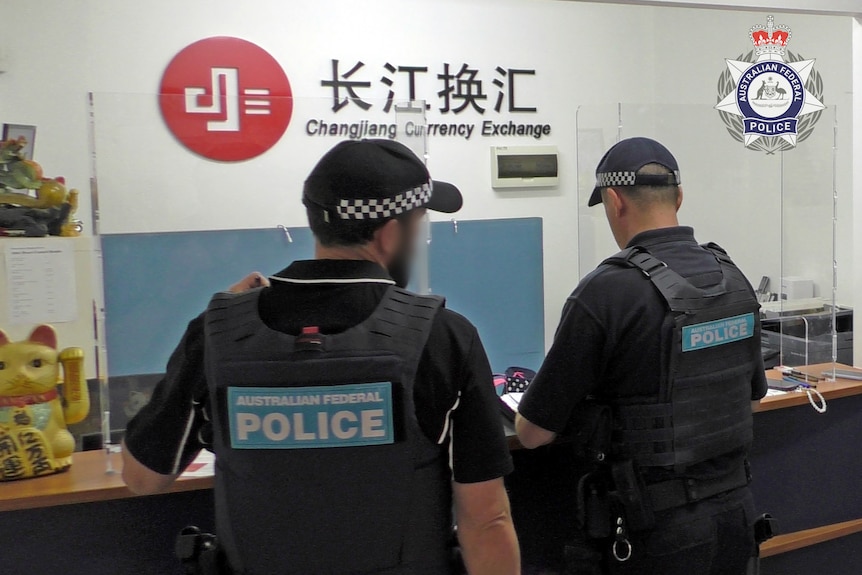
(461, 89)
(226, 99)
(229, 100)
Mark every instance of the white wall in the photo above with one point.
(587, 55)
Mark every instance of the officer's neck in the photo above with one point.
(648, 222)
(366, 252)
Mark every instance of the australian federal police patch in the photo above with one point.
(354, 415)
(718, 332)
(769, 99)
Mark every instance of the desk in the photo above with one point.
(829, 389)
(84, 522)
(806, 473)
(85, 482)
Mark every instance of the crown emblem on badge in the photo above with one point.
(770, 39)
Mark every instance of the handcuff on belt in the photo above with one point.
(622, 547)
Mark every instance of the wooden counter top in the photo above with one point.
(85, 482)
(830, 389)
(801, 539)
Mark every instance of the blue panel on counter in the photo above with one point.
(156, 283)
(490, 271)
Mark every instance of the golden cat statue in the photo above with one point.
(34, 440)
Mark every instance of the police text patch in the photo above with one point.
(310, 417)
(718, 332)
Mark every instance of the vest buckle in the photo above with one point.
(648, 272)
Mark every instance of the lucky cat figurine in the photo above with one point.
(34, 440)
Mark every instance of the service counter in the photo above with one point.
(805, 465)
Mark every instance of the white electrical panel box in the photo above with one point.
(524, 167)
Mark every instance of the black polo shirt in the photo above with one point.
(608, 343)
(454, 394)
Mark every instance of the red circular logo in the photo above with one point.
(226, 99)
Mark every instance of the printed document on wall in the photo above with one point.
(40, 282)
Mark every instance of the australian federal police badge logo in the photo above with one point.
(770, 98)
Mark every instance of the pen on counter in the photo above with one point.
(803, 375)
(789, 371)
(798, 382)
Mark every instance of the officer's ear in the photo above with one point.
(679, 199)
(388, 238)
(614, 202)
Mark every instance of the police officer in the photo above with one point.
(347, 415)
(653, 369)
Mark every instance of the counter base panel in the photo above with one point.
(119, 537)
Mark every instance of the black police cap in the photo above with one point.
(375, 179)
(619, 166)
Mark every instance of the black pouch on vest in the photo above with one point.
(631, 495)
(594, 509)
(593, 432)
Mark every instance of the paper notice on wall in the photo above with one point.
(40, 282)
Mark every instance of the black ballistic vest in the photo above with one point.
(321, 466)
(711, 342)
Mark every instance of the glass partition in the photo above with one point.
(207, 199)
(815, 328)
(773, 211)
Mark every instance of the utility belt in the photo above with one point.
(679, 492)
(614, 500)
(200, 555)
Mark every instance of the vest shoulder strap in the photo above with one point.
(233, 315)
(713, 247)
(731, 271)
(403, 321)
(674, 289)
(623, 258)
(719, 252)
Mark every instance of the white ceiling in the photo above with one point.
(831, 7)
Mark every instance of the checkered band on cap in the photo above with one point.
(619, 179)
(379, 208)
(613, 179)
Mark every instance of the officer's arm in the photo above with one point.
(531, 435)
(141, 479)
(485, 529)
(163, 437)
